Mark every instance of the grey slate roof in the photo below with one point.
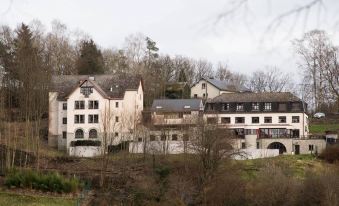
(256, 97)
(226, 86)
(177, 105)
(65, 84)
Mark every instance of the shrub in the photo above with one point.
(331, 153)
(52, 182)
(86, 143)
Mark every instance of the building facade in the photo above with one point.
(265, 121)
(170, 125)
(104, 108)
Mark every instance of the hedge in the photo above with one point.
(50, 182)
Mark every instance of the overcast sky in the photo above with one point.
(187, 27)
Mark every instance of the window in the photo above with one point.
(195, 96)
(64, 106)
(64, 120)
(243, 145)
(255, 106)
(163, 137)
(240, 107)
(152, 138)
(116, 119)
(116, 134)
(93, 104)
(93, 133)
(225, 120)
(295, 119)
(79, 105)
(239, 120)
(203, 95)
(311, 147)
(258, 145)
(267, 119)
(255, 120)
(174, 137)
(282, 107)
(203, 86)
(79, 133)
(181, 115)
(295, 106)
(139, 139)
(116, 104)
(267, 106)
(93, 118)
(225, 107)
(211, 120)
(79, 119)
(282, 119)
(185, 137)
(64, 135)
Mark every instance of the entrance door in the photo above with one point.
(297, 149)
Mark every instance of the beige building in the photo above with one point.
(208, 88)
(102, 108)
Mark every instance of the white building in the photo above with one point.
(104, 108)
(208, 88)
(265, 121)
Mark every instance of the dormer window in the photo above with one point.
(225, 107)
(240, 107)
(295, 106)
(210, 107)
(255, 106)
(268, 106)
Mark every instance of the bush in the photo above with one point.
(86, 143)
(331, 153)
(52, 182)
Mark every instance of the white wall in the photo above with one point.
(53, 119)
(85, 151)
(275, 121)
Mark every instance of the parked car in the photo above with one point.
(319, 115)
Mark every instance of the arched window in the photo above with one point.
(93, 133)
(79, 133)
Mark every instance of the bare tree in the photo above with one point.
(270, 80)
(223, 73)
(316, 57)
(203, 69)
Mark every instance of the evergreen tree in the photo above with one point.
(90, 60)
(30, 71)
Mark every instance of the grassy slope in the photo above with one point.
(321, 128)
(298, 165)
(10, 199)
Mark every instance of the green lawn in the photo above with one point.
(10, 199)
(321, 128)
